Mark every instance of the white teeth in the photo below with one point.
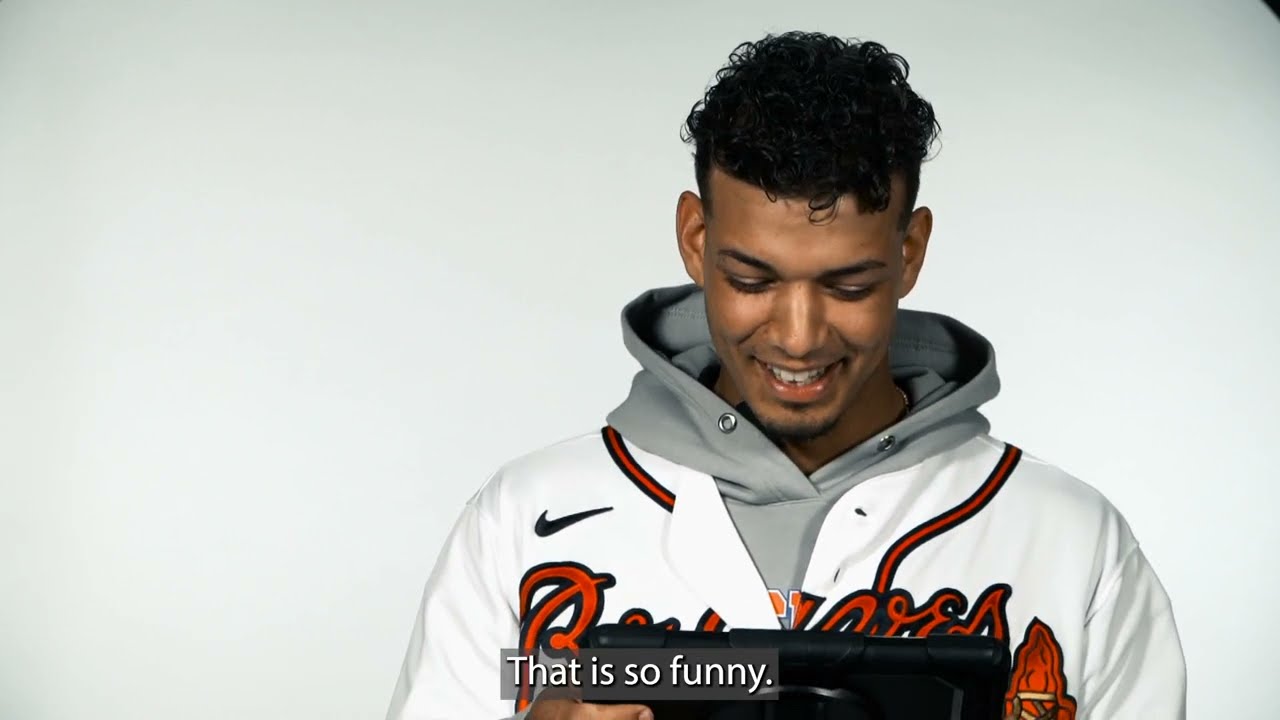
(803, 378)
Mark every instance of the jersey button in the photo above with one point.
(727, 423)
(886, 443)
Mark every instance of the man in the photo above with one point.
(797, 451)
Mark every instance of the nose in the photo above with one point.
(799, 320)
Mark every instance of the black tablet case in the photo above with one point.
(842, 675)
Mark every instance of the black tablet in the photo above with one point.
(840, 675)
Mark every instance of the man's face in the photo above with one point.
(801, 312)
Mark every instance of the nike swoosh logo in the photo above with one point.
(545, 527)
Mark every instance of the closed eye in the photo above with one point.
(852, 293)
(841, 292)
(747, 286)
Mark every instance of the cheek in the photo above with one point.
(734, 317)
(866, 325)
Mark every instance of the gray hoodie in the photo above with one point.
(947, 369)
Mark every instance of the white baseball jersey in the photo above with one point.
(982, 538)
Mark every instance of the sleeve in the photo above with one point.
(451, 670)
(1134, 664)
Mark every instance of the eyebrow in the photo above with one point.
(854, 269)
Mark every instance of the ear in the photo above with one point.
(915, 242)
(691, 235)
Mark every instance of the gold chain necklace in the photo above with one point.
(906, 401)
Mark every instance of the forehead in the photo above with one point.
(786, 231)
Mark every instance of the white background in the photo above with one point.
(282, 282)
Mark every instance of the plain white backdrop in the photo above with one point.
(282, 282)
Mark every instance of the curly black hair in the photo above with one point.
(808, 115)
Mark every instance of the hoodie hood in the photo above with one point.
(947, 369)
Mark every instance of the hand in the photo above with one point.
(552, 708)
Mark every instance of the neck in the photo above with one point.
(879, 405)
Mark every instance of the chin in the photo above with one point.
(793, 425)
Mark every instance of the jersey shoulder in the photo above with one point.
(1060, 503)
(577, 466)
(1051, 483)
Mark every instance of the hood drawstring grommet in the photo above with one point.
(727, 423)
(887, 442)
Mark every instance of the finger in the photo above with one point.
(619, 712)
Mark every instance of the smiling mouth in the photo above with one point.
(799, 385)
(798, 377)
